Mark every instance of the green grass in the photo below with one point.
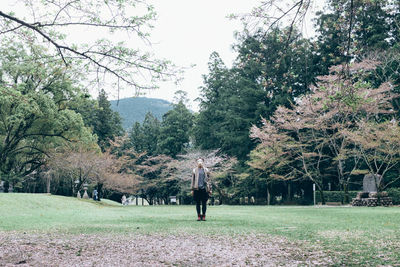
(351, 235)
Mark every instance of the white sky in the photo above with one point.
(188, 31)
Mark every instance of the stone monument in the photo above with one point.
(85, 194)
(371, 183)
(369, 196)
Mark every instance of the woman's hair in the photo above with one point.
(202, 159)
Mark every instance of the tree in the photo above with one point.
(264, 76)
(270, 159)
(349, 29)
(212, 104)
(273, 13)
(95, 168)
(280, 73)
(136, 137)
(107, 123)
(34, 113)
(220, 166)
(48, 21)
(175, 130)
(86, 106)
(158, 179)
(379, 146)
(152, 127)
(181, 96)
(151, 130)
(145, 137)
(307, 139)
(345, 102)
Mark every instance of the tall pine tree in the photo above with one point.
(175, 130)
(107, 124)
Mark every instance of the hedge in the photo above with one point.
(334, 196)
(338, 196)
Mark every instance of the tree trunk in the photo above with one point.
(346, 194)
(321, 192)
(268, 196)
(48, 180)
(99, 188)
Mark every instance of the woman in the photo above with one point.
(201, 188)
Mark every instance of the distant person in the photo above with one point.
(123, 200)
(95, 195)
(201, 188)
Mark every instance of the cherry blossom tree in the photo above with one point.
(319, 130)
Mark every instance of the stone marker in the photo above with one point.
(369, 196)
(370, 183)
(85, 195)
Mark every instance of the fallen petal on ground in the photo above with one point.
(18, 249)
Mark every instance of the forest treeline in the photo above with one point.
(133, 109)
(289, 113)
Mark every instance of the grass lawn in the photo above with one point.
(349, 235)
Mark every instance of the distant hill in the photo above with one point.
(134, 109)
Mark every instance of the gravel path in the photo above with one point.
(18, 249)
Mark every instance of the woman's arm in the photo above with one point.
(209, 185)
(193, 178)
(192, 183)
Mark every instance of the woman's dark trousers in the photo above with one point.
(201, 197)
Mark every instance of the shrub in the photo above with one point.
(394, 193)
(304, 201)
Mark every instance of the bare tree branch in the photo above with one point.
(124, 64)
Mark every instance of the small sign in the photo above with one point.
(313, 187)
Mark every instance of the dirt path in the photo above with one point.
(18, 249)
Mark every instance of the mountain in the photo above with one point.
(134, 109)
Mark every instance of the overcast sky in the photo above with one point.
(188, 31)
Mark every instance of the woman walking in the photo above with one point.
(201, 189)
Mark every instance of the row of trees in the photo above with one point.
(343, 129)
(53, 136)
(56, 138)
(316, 108)
(290, 112)
(170, 136)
